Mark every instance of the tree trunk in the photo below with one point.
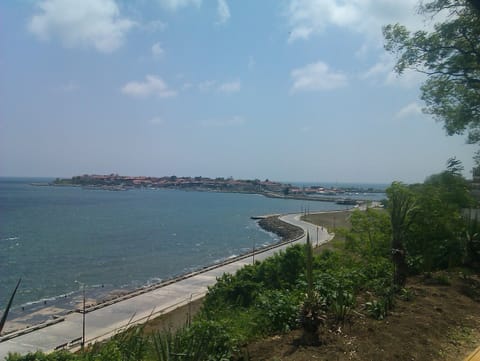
(400, 265)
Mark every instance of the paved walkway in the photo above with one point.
(104, 322)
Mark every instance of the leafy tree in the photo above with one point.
(472, 239)
(437, 235)
(452, 185)
(450, 56)
(401, 205)
(312, 313)
(455, 166)
(475, 4)
(433, 240)
(370, 232)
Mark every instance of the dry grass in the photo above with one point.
(333, 221)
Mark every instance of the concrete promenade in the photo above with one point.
(104, 322)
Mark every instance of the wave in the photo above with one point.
(153, 281)
(220, 260)
(42, 301)
(9, 239)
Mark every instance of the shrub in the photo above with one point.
(377, 309)
(337, 289)
(278, 310)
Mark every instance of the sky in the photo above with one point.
(289, 90)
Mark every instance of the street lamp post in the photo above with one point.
(253, 252)
(189, 318)
(82, 344)
(83, 319)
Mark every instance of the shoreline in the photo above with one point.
(46, 311)
(182, 315)
(347, 198)
(147, 304)
(102, 323)
(51, 312)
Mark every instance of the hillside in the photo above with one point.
(439, 322)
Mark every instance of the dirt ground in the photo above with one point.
(330, 220)
(175, 319)
(333, 221)
(440, 323)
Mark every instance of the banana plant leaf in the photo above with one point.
(9, 304)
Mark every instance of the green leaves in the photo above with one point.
(370, 232)
(9, 305)
(450, 56)
(279, 310)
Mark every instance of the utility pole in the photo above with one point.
(253, 252)
(83, 319)
(189, 318)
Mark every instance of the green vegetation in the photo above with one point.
(401, 205)
(450, 56)
(9, 305)
(424, 228)
(291, 289)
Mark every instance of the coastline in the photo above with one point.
(53, 312)
(141, 306)
(349, 195)
(337, 199)
(182, 315)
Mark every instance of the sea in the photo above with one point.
(59, 240)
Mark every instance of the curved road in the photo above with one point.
(104, 322)
(318, 235)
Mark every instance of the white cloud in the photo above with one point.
(300, 32)
(316, 76)
(410, 110)
(83, 23)
(68, 87)
(234, 121)
(230, 87)
(223, 11)
(380, 69)
(156, 120)
(206, 85)
(174, 5)
(152, 85)
(382, 72)
(212, 85)
(308, 17)
(362, 52)
(154, 26)
(157, 50)
(408, 79)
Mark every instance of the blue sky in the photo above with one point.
(290, 90)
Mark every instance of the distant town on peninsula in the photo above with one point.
(266, 187)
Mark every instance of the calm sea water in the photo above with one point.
(56, 238)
